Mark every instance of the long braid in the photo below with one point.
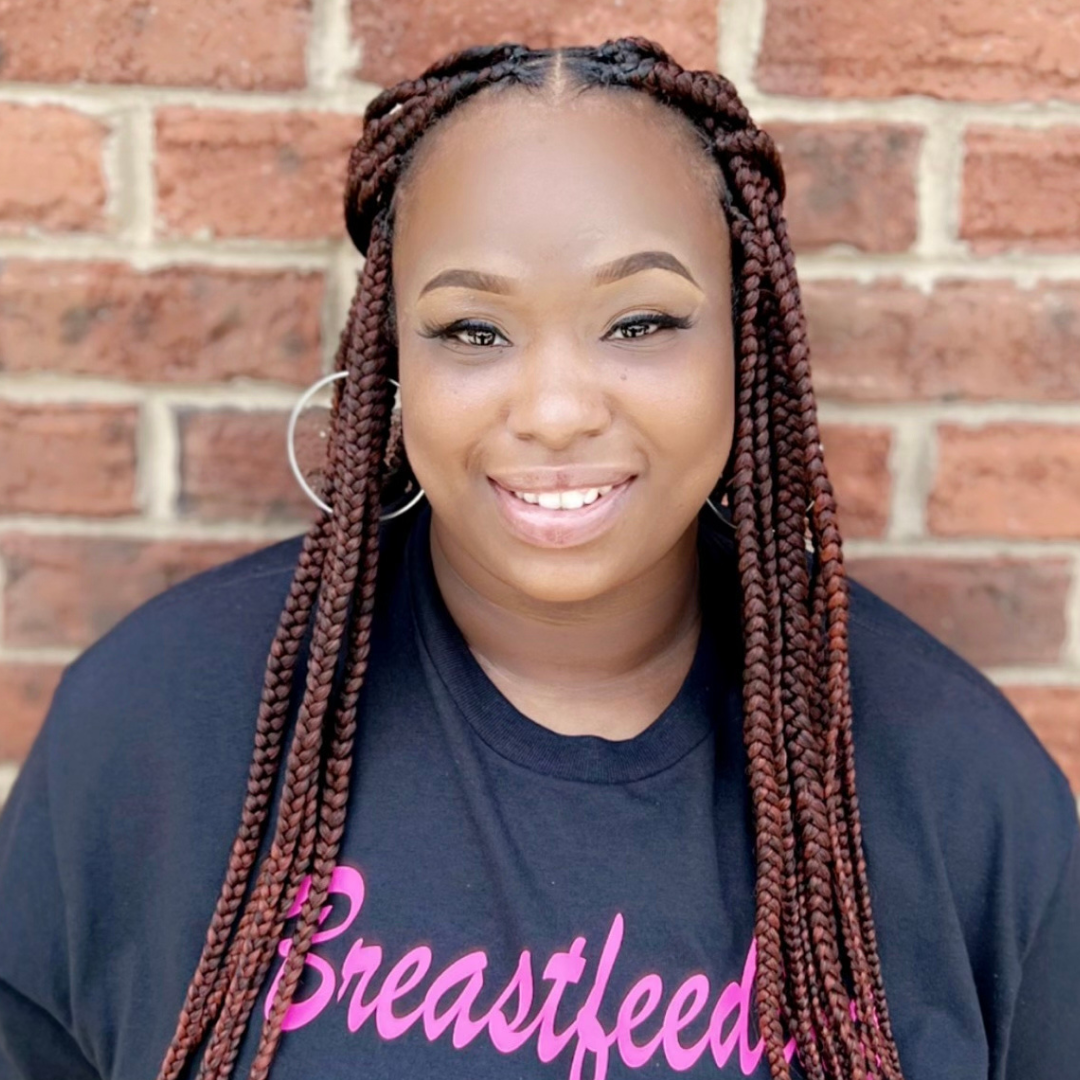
(818, 972)
(352, 458)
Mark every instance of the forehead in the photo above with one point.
(517, 175)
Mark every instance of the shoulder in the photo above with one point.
(217, 617)
(910, 683)
(176, 683)
(943, 753)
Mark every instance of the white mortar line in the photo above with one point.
(939, 182)
(350, 98)
(245, 394)
(249, 254)
(137, 176)
(964, 548)
(741, 29)
(1041, 675)
(924, 271)
(912, 109)
(158, 460)
(332, 55)
(3, 594)
(8, 772)
(1070, 652)
(912, 468)
(42, 654)
(968, 413)
(142, 528)
(113, 166)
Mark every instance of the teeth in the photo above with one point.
(563, 500)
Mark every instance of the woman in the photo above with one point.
(572, 789)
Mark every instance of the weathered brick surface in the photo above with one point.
(51, 168)
(1021, 189)
(1007, 480)
(858, 461)
(991, 611)
(244, 44)
(971, 50)
(67, 459)
(850, 184)
(399, 40)
(273, 175)
(234, 465)
(189, 324)
(69, 590)
(1054, 714)
(25, 693)
(975, 340)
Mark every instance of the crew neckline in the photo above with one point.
(707, 695)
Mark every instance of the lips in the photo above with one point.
(545, 513)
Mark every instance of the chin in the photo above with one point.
(567, 579)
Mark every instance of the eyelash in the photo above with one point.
(449, 331)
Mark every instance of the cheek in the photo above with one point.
(442, 433)
(690, 422)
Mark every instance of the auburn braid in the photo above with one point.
(356, 447)
(819, 973)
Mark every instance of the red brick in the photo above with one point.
(51, 172)
(1009, 480)
(399, 40)
(234, 465)
(858, 463)
(850, 184)
(1022, 189)
(991, 611)
(68, 590)
(183, 324)
(274, 175)
(67, 459)
(1054, 714)
(244, 44)
(975, 340)
(969, 50)
(26, 691)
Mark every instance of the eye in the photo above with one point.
(647, 325)
(472, 332)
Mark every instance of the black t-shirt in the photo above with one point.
(510, 902)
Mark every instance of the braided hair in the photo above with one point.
(819, 973)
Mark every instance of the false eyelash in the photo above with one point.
(448, 330)
(657, 319)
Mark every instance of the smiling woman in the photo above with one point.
(571, 786)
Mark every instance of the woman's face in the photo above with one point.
(562, 283)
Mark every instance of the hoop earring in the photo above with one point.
(716, 510)
(290, 445)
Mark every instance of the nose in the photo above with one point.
(558, 397)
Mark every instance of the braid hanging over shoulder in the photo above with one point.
(819, 973)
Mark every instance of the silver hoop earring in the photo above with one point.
(712, 506)
(290, 445)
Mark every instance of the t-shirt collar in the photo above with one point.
(708, 696)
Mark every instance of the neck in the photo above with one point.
(606, 666)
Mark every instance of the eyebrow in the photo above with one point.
(613, 271)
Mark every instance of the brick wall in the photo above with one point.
(173, 269)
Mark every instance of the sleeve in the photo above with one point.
(1045, 1037)
(37, 1039)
